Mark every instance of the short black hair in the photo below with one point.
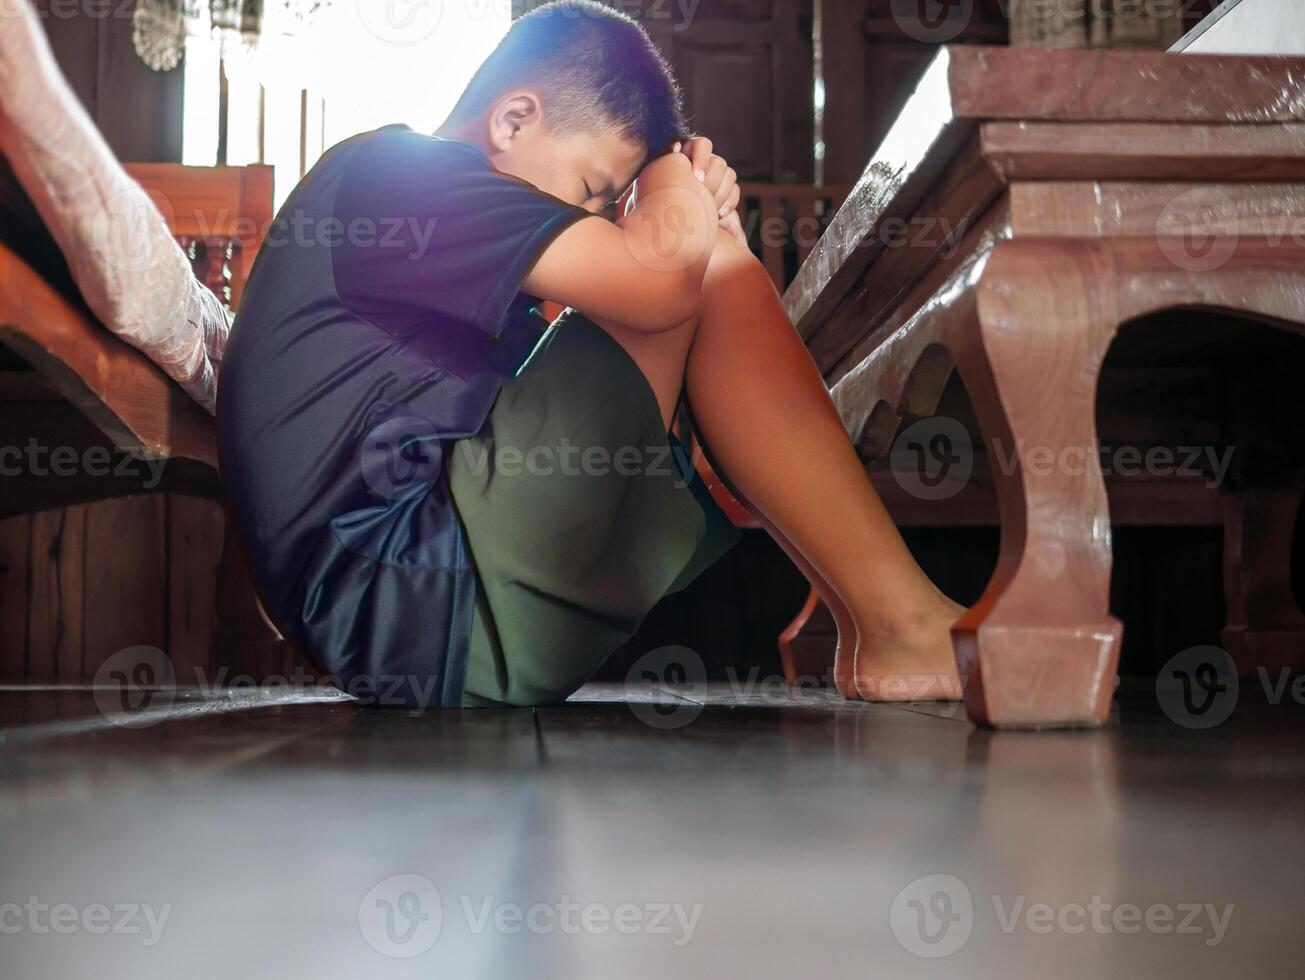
(595, 69)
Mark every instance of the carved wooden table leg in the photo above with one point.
(1040, 647)
(1028, 329)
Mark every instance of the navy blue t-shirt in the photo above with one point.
(381, 318)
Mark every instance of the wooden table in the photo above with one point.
(1026, 206)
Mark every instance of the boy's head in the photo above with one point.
(574, 99)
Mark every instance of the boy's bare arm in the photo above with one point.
(645, 272)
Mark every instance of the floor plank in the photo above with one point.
(731, 832)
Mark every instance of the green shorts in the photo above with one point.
(581, 512)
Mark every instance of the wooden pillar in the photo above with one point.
(841, 52)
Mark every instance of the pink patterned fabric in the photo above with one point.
(129, 269)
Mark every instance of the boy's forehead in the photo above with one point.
(616, 156)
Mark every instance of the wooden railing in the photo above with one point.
(784, 221)
(218, 215)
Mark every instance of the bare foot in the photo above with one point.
(912, 662)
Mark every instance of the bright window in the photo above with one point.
(362, 65)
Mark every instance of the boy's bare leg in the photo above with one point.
(762, 408)
(662, 357)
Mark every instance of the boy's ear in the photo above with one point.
(511, 114)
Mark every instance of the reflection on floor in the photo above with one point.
(775, 834)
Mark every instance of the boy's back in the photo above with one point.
(382, 315)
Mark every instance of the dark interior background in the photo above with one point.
(748, 68)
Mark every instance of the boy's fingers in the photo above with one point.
(731, 202)
(721, 181)
(699, 151)
(734, 227)
(716, 167)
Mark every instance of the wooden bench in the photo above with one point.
(73, 383)
(94, 562)
(1033, 215)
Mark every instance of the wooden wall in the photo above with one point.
(138, 110)
(746, 70)
(79, 583)
(745, 67)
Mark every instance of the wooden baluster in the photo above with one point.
(216, 270)
(238, 269)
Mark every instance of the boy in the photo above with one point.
(390, 360)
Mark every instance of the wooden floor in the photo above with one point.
(776, 834)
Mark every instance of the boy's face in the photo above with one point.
(589, 170)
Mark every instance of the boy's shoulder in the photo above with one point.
(398, 146)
